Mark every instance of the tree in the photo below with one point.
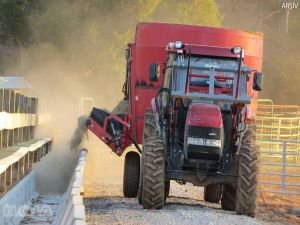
(14, 16)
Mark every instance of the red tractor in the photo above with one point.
(189, 101)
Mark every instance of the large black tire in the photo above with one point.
(149, 124)
(212, 193)
(153, 191)
(242, 197)
(228, 197)
(167, 189)
(131, 174)
(140, 188)
(149, 131)
(246, 191)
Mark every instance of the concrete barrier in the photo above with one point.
(11, 121)
(21, 152)
(18, 118)
(72, 211)
(19, 163)
(15, 120)
(14, 203)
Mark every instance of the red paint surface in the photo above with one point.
(204, 115)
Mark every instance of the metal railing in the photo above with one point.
(279, 174)
(277, 122)
(19, 164)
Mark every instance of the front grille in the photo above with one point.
(203, 152)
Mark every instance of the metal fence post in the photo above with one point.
(283, 166)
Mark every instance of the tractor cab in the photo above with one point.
(204, 91)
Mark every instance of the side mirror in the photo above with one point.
(154, 72)
(258, 81)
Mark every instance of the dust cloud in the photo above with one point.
(79, 52)
(67, 64)
(78, 133)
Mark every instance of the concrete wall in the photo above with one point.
(72, 210)
(14, 203)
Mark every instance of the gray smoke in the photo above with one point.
(78, 134)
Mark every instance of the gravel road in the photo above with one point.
(181, 208)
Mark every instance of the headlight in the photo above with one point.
(213, 143)
(204, 142)
(195, 141)
(236, 50)
(178, 44)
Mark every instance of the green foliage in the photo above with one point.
(199, 12)
(14, 17)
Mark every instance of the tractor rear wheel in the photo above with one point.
(149, 124)
(153, 191)
(131, 175)
(228, 197)
(246, 190)
(212, 193)
(140, 188)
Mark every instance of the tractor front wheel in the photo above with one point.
(246, 190)
(228, 197)
(153, 190)
(131, 175)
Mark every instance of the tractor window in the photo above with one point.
(214, 62)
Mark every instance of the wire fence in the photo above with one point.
(277, 122)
